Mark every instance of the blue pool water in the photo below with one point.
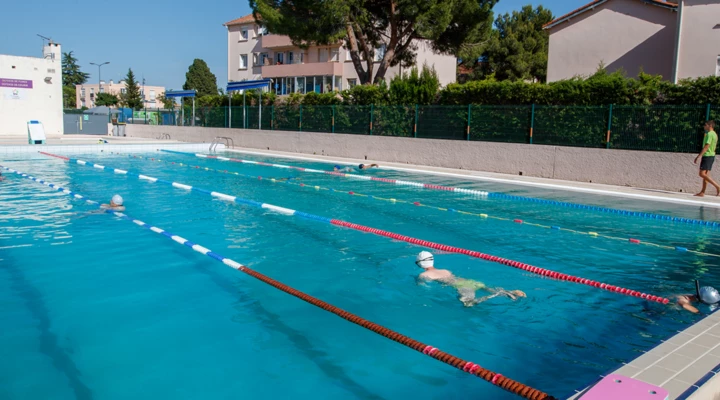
(94, 307)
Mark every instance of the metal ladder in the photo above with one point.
(163, 136)
(218, 140)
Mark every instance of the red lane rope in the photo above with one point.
(54, 155)
(504, 261)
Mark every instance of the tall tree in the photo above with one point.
(106, 99)
(457, 27)
(201, 79)
(71, 73)
(519, 46)
(131, 98)
(71, 76)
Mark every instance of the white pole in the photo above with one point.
(260, 111)
(193, 121)
(244, 117)
(230, 109)
(182, 108)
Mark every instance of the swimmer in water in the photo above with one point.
(116, 204)
(706, 295)
(2, 178)
(339, 168)
(466, 287)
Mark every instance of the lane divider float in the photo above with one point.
(419, 204)
(379, 232)
(481, 193)
(496, 379)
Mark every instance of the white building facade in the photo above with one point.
(31, 90)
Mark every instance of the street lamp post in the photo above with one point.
(99, 80)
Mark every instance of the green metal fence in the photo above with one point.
(653, 128)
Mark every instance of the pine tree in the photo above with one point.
(201, 79)
(131, 98)
(71, 76)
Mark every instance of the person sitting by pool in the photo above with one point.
(338, 168)
(116, 204)
(706, 295)
(466, 287)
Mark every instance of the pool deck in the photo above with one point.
(686, 365)
(73, 144)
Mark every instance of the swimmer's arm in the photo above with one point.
(420, 280)
(684, 301)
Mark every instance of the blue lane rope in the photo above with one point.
(495, 195)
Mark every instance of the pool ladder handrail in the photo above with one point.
(229, 142)
(163, 136)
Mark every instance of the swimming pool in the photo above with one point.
(95, 307)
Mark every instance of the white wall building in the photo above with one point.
(31, 89)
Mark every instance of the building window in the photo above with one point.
(352, 83)
(243, 61)
(82, 92)
(338, 83)
(261, 30)
(152, 95)
(380, 52)
(280, 58)
(243, 35)
(309, 85)
(322, 55)
(300, 85)
(717, 67)
(335, 55)
(123, 91)
(102, 90)
(264, 59)
(291, 57)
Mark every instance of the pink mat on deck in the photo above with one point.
(618, 387)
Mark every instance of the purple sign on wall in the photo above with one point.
(16, 83)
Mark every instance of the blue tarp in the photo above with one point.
(245, 85)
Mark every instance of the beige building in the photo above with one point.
(85, 94)
(675, 39)
(253, 54)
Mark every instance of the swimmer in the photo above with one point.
(338, 168)
(116, 204)
(2, 178)
(706, 295)
(466, 288)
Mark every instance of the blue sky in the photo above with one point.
(158, 39)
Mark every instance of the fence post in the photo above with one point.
(707, 112)
(417, 109)
(532, 121)
(272, 117)
(607, 138)
(300, 125)
(372, 111)
(333, 118)
(469, 120)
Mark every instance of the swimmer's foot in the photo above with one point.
(701, 194)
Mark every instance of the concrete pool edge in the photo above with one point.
(543, 183)
(686, 365)
(134, 146)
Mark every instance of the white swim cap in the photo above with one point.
(424, 259)
(709, 295)
(117, 199)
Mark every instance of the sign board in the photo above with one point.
(86, 117)
(16, 83)
(14, 94)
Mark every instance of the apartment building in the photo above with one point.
(85, 94)
(676, 39)
(254, 54)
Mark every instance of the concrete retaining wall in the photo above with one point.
(653, 170)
